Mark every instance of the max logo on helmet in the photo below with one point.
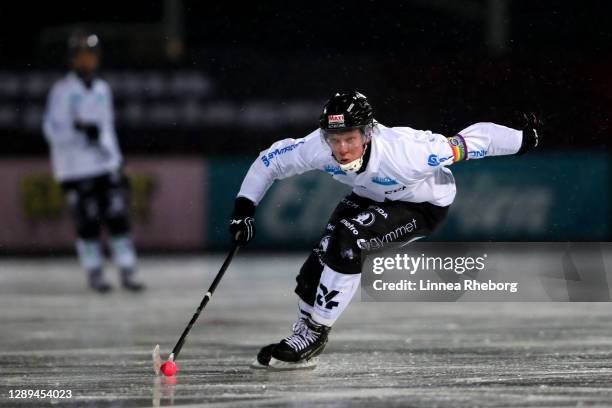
(335, 120)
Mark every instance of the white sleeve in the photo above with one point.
(283, 159)
(474, 142)
(107, 125)
(489, 139)
(58, 119)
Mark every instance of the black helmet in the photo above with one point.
(81, 41)
(345, 111)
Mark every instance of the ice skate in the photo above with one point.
(298, 351)
(96, 281)
(129, 282)
(262, 361)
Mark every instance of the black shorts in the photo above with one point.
(360, 225)
(97, 201)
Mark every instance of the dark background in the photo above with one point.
(438, 65)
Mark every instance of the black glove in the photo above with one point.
(242, 223)
(532, 133)
(91, 131)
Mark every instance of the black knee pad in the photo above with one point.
(88, 228)
(308, 279)
(86, 215)
(118, 225)
(310, 273)
(343, 254)
(116, 211)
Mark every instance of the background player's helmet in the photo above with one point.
(81, 41)
(346, 111)
(83, 55)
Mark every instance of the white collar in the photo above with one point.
(374, 162)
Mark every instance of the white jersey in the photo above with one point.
(72, 155)
(405, 164)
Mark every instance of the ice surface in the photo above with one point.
(56, 335)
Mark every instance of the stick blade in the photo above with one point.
(156, 360)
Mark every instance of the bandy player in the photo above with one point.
(86, 161)
(402, 191)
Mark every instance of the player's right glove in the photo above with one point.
(532, 133)
(242, 223)
(91, 130)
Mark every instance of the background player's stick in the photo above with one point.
(179, 344)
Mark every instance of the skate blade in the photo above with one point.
(156, 360)
(278, 365)
(256, 365)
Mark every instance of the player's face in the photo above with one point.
(85, 61)
(346, 146)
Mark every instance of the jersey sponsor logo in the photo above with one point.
(351, 227)
(322, 249)
(477, 154)
(459, 147)
(399, 232)
(362, 243)
(334, 170)
(397, 190)
(75, 99)
(100, 98)
(369, 245)
(325, 296)
(266, 158)
(365, 218)
(433, 160)
(349, 203)
(335, 121)
(380, 211)
(385, 181)
(391, 236)
(324, 243)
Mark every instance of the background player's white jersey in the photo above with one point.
(405, 164)
(72, 155)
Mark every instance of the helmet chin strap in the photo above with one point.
(355, 165)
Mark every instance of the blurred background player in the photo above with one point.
(402, 190)
(86, 161)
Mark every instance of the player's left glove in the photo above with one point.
(91, 130)
(532, 133)
(242, 223)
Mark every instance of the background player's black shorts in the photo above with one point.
(97, 201)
